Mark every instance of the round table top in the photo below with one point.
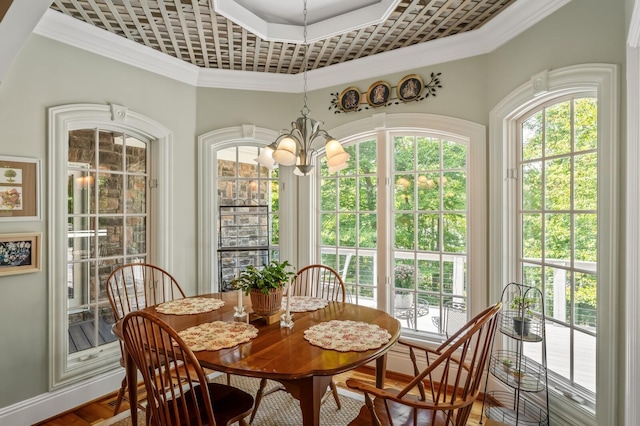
(283, 353)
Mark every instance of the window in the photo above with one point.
(229, 175)
(106, 160)
(401, 211)
(558, 228)
(106, 225)
(553, 218)
(252, 236)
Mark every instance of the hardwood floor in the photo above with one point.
(101, 409)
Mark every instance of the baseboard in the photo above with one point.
(50, 404)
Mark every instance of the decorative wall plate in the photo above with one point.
(378, 94)
(410, 88)
(349, 99)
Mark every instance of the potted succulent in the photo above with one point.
(507, 364)
(264, 285)
(518, 375)
(522, 317)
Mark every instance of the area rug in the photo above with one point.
(277, 409)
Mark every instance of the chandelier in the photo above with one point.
(295, 147)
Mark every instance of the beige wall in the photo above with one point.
(47, 73)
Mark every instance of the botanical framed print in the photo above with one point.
(378, 93)
(410, 88)
(19, 253)
(19, 188)
(349, 99)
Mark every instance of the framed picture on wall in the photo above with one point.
(19, 253)
(19, 188)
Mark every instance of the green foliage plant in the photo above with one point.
(270, 276)
(523, 305)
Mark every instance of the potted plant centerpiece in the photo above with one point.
(264, 285)
(522, 318)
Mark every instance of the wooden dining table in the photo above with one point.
(282, 354)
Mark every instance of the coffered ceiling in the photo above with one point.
(265, 36)
(224, 43)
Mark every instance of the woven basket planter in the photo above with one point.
(266, 304)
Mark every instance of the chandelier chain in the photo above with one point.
(305, 109)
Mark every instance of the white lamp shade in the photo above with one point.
(266, 158)
(333, 148)
(338, 159)
(338, 167)
(285, 154)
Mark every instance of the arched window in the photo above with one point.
(404, 222)
(553, 221)
(240, 216)
(102, 160)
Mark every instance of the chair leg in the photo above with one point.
(258, 399)
(334, 390)
(120, 397)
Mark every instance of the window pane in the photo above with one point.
(532, 137)
(367, 234)
(429, 232)
(454, 275)
(404, 192)
(328, 194)
(346, 229)
(558, 180)
(531, 236)
(227, 162)
(558, 238)
(136, 194)
(586, 182)
(328, 229)
(347, 194)
(82, 147)
(558, 129)
(404, 231)
(586, 240)
(585, 359)
(227, 191)
(404, 158)
(367, 157)
(454, 192)
(367, 193)
(454, 155)
(110, 193)
(532, 186)
(110, 149)
(428, 192)
(586, 124)
(454, 235)
(585, 300)
(136, 235)
(136, 155)
(428, 154)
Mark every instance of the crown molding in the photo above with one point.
(65, 29)
(517, 18)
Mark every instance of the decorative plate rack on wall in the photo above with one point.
(410, 88)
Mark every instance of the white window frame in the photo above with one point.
(602, 81)
(208, 145)
(382, 126)
(632, 271)
(66, 369)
